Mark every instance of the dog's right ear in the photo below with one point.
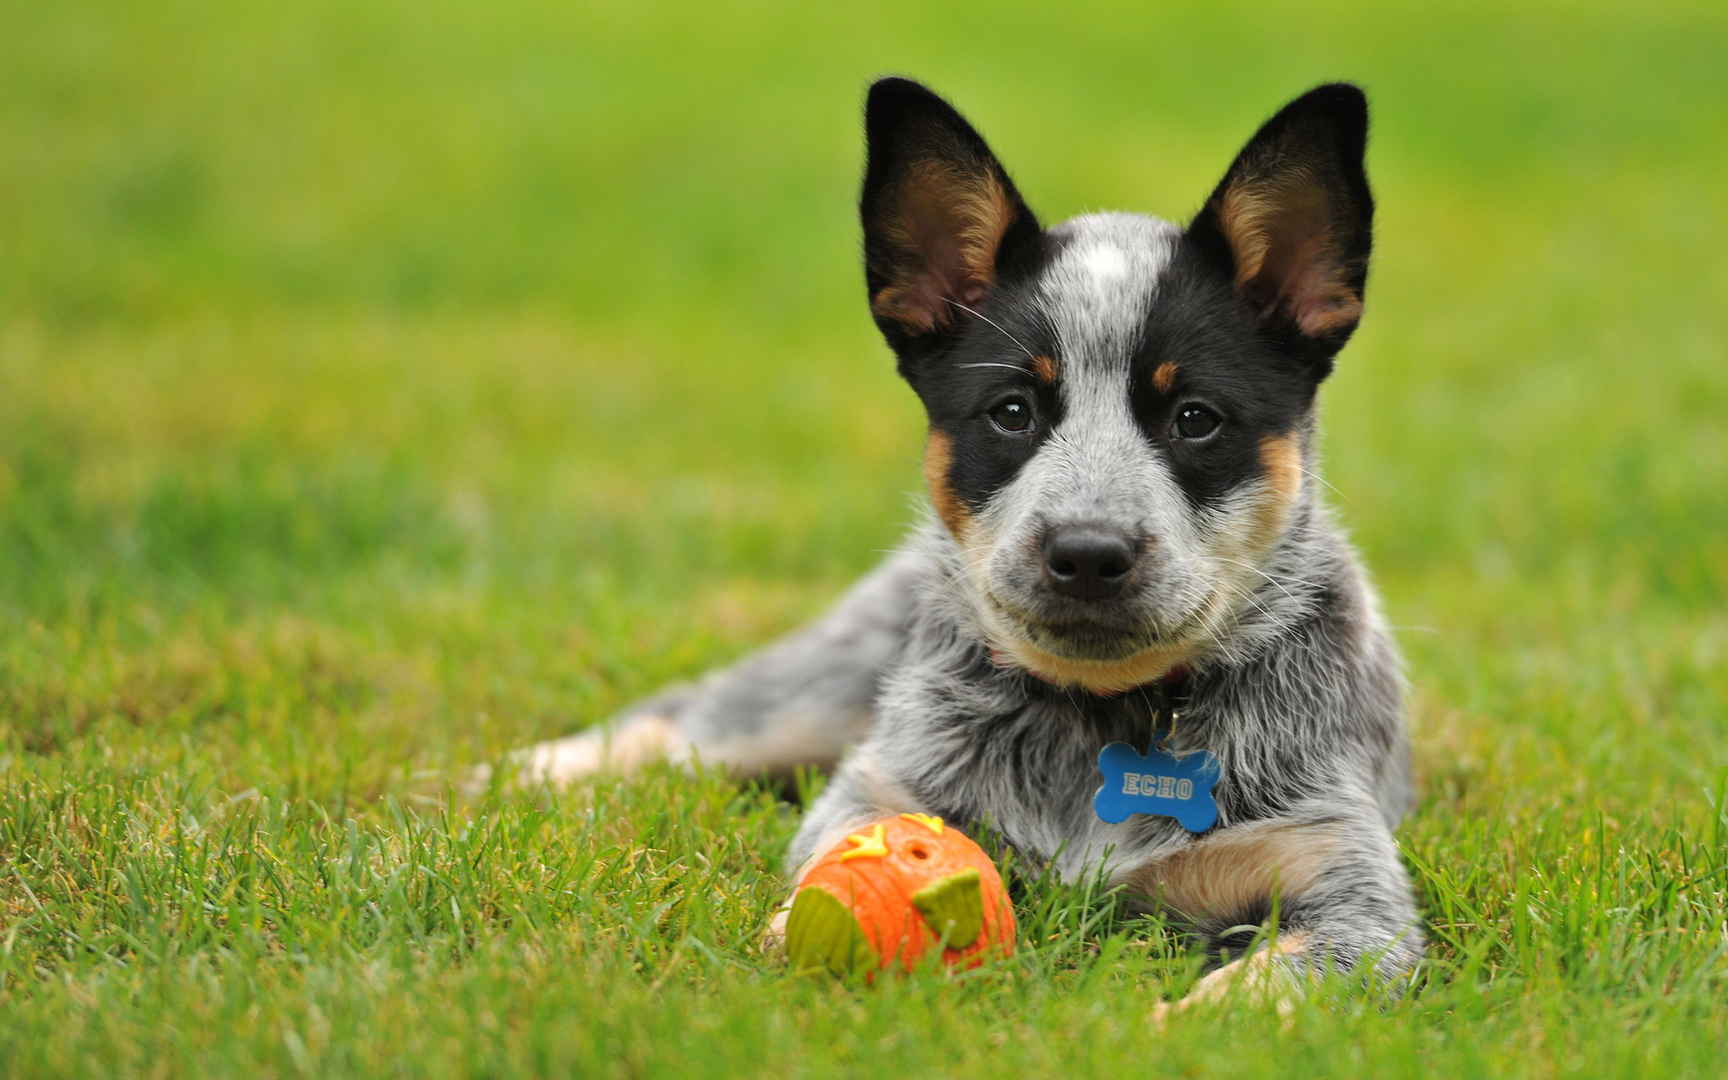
(942, 221)
(1292, 222)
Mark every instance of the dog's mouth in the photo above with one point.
(1095, 655)
(1096, 638)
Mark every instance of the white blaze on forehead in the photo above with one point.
(1105, 260)
(1098, 290)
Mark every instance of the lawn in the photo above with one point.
(387, 385)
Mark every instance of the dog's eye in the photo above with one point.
(1013, 416)
(1196, 422)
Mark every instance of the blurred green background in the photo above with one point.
(383, 385)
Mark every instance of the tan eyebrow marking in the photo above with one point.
(1045, 368)
(1165, 376)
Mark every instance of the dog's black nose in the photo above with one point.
(1087, 562)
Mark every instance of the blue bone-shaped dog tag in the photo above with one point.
(1157, 783)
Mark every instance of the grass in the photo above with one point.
(385, 386)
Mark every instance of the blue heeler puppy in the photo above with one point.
(1127, 546)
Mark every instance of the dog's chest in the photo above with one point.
(1031, 776)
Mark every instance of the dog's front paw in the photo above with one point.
(1260, 979)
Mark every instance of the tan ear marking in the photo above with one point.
(1281, 235)
(1248, 217)
(980, 205)
(1324, 309)
(946, 225)
(912, 306)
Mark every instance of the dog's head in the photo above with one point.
(1119, 408)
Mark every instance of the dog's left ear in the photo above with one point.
(942, 222)
(1292, 222)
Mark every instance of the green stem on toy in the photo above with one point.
(954, 908)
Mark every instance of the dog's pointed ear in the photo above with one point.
(942, 221)
(1292, 221)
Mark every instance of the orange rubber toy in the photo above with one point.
(894, 891)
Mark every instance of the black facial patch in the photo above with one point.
(985, 366)
(1200, 326)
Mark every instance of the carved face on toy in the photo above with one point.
(893, 892)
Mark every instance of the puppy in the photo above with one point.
(1127, 545)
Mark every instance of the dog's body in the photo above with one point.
(1127, 545)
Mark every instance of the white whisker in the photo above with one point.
(1311, 474)
(997, 325)
(1279, 585)
(1251, 568)
(1212, 627)
(1237, 590)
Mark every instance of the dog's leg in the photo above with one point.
(800, 701)
(1342, 898)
